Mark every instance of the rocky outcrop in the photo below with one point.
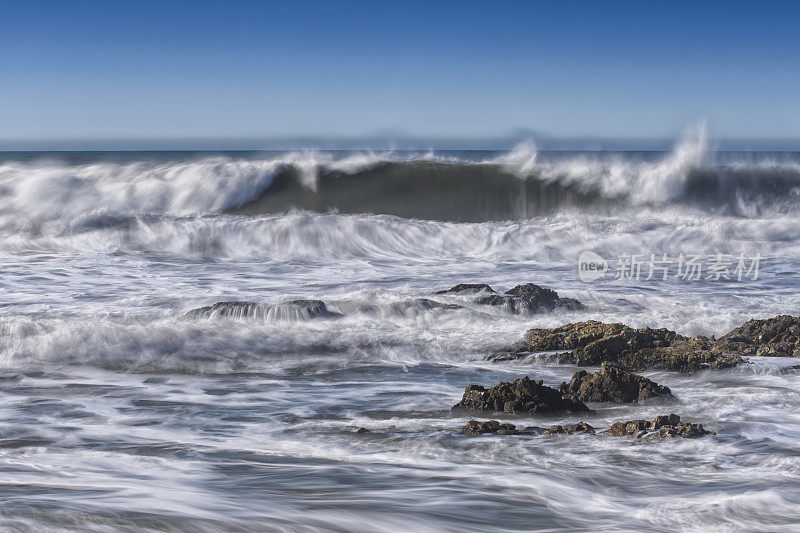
(294, 309)
(664, 426)
(521, 396)
(225, 309)
(475, 427)
(778, 337)
(611, 384)
(468, 288)
(528, 298)
(592, 343)
(580, 427)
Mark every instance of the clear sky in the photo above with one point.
(74, 69)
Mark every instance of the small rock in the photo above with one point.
(580, 427)
(474, 427)
(612, 384)
(468, 288)
(521, 396)
(664, 426)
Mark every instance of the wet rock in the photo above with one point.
(580, 427)
(422, 304)
(468, 288)
(664, 426)
(225, 309)
(777, 337)
(592, 342)
(310, 308)
(528, 298)
(612, 384)
(474, 427)
(521, 396)
(294, 309)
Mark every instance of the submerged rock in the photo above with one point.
(612, 384)
(294, 309)
(580, 427)
(592, 343)
(528, 298)
(521, 396)
(778, 337)
(664, 426)
(474, 427)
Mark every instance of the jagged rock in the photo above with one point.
(612, 384)
(592, 342)
(468, 288)
(522, 396)
(778, 337)
(580, 427)
(294, 309)
(474, 427)
(528, 298)
(664, 426)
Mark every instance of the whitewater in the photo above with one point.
(120, 412)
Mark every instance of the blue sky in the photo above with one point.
(138, 69)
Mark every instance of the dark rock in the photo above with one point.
(301, 309)
(612, 384)
(522, 396)
(225, 309)
(593, 342)
(474, 427)
(778, 337)
(664, 426)
(580, 427)
(468, 288)
(528, 298)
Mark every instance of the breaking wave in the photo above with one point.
(465, 187)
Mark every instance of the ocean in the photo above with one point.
(121, 413)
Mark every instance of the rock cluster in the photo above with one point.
(521, 396)
(592, 342)
(475, 427)
(528, 298)
(664, 426)
(580, 427)
(611, 384)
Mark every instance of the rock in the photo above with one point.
(778, 337)
(612, 384)
(528, 298)
(423, 304)
(308, 309)
(580, 427)
(294, 309)
(475, 427)
(522, 396)
(468, 288)
(225, 309)
(362, 430)
(664, 426)
(592, 343)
